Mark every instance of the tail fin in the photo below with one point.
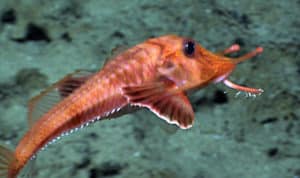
(6, 159)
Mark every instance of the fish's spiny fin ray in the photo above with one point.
(41, 103)
(173, 107)
(114, 53)
(7, 159)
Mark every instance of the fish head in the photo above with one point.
(188, 64)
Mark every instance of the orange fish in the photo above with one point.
(155, 74)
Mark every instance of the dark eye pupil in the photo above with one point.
(189, 48)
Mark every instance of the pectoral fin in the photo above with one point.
(173, 107)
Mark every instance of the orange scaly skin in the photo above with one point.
(154, 74)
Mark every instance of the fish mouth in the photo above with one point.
(233, 61)
(222, 77)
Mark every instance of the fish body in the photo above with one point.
(155, 74)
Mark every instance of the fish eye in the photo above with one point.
(189, 48)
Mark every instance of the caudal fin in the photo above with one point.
(6, 159)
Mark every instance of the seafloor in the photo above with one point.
(233, 137)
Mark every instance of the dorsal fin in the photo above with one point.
(41, 103)
(114, 52)
(7, 159)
